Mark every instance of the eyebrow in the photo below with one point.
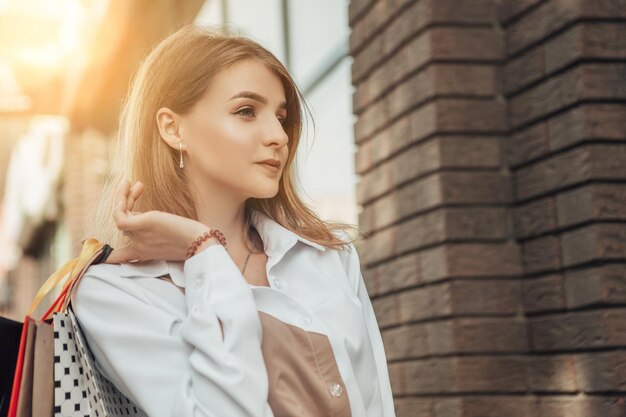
(254, 96)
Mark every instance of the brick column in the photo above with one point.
(490, 147)
(565, 83)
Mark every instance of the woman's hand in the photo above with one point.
(153, 234)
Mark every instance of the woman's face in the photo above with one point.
(237, 124)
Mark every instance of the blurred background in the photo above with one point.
(481, 143)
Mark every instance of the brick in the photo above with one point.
(478, 44)
(564, 169)
(534, 218)
(371, 281)
(601, 371)
(527, 144)
(587, 122)
(378, 247)
(477, 335)
(428, 376)
(603, 9)
(484, 406)
(493, 297)
(605, 202)
(582, 123)
(413, 407)
(544, 20)
(472, 11)
(509, 10)
(580, 406)
(596, 242)
(595, 40)
(592, 40)
(470, 260)
(405, 342)
(374, 183)
(439, 189)
(408, 200)
(399, 273)
(436, 152)
(542, 294)
(467, 115)
(418, 160)
(413, 20)
(429, 302)
(386, 310)
(590, 81)
(575, 331)
(415, 127)
(552, 373)
(433, 80)
(451, 224)
(524, 70)
(484, 223)
(378, 18)
(464, 375)
(474, 151)
(357, 8)
(475, 187)
(420, 231)
(542, 254)
(600, 285)
(475, 260)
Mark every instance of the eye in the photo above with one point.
(245, 110)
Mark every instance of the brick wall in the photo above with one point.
(491, 150)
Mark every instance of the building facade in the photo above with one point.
(491, 143)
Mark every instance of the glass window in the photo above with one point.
(316, 30)
(326, 154)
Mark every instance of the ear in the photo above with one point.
(169, 127)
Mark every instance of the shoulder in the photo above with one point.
(104, 282)
(349, 257)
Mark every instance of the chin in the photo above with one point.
(264, 191)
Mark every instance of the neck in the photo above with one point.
(227, 215)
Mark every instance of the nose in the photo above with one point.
(276, 134)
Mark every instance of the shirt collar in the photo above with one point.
(277, 240)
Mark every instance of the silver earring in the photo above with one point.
(180, 147)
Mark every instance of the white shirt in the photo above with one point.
(164, 350)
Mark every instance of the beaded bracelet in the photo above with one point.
(196, 243)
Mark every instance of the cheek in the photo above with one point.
(223, 149)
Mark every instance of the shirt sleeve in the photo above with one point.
(179, 367)
(354, 272)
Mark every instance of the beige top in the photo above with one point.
(304, 380)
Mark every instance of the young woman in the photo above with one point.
(225, 295)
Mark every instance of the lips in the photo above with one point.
(272, 162)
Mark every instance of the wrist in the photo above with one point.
(203, 238)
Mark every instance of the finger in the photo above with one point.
(135, 192)
(121, 195)
(127, 222)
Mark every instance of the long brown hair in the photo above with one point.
(176, 74)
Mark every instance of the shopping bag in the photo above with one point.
(43, 387)
(11, 331)
(74, 387)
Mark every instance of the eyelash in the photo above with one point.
(282, 121)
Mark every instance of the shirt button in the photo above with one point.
(335, 389)
(305, 320)
(197, 284)
(277, 284)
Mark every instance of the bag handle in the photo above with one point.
(68, 274)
